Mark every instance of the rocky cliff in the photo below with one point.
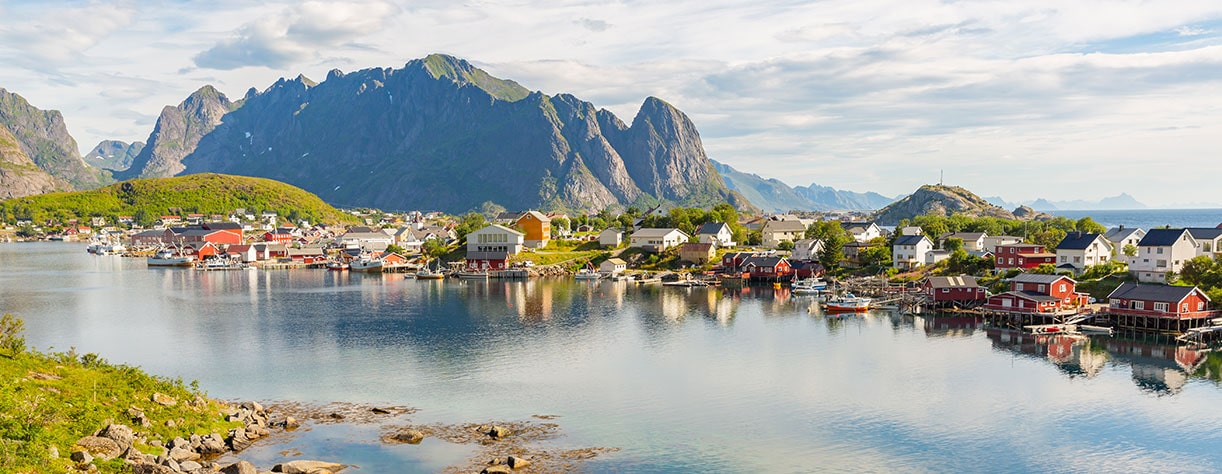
(43, 137)
(939, 200)
(176, 134)
(440, 134)
(19, 176)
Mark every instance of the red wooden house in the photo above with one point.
(201, 250)
(953, 291)
(1022, 256)
(230, 227)
(487, 261)
(768, 268)
(279, 235)
(732, 262)
(1159, 301)
(391, 258)
(1033, 293)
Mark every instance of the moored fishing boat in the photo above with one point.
(169, 258)
(337, 266)
(366, 264)
(848, 303)
(588, 273)
(808, 286)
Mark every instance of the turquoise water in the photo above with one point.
(680, 380)
(1150, 218)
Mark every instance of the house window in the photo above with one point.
(1160, 251)
(1064, 258)
(1139, 305)
(1062, 288)
(946, 290)
(1041, 288)
(1200, 306)
(1077, 260)
(1161, 263)
(1161, 307)
(1184, 307)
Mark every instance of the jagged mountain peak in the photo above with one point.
(19, 176)
(44, 138)
(462, 72)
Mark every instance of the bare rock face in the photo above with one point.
(19, 176)
(176, 134)
(43, 136)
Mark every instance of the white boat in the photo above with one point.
(220, 263)
(808, 286)
(169, 258)
(848, 303)
(426, 273)
(337, 266)
(112, 248)
(366, 265)
(473, 275)
(588, 273)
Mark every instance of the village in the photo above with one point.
(1031, 284)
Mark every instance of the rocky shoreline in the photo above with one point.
(499, 447)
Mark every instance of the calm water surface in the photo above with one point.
(680, 380)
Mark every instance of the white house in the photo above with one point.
(863, 231)
(991, 242)
(806, 249)
(374, 241)
(1162, 251)
(909, 251)
(496, 238)
(776, 231)
(972, 241)
(1122, 237)
(657, 240)
(716, 233)
(1079, 250)
(610, 237)
(1208, 240)
(612, 266)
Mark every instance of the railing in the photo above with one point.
(1160, 314)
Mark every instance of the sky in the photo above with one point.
(1020, 99)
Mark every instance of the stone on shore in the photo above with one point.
(497, 469)
(183, 454)
(290, 422)
(152, 469)
(237, 440)
(409, 436)
(240, 467)
(212, 444)
(81, 457)
(103, 448)
(164, 400)
(498, 432)
(190, 466)
(517, 462)
(307, 467)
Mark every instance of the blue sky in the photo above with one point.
(1018, 99)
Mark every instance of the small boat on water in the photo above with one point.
(1089, 329)
(467, 275)
(848, 303)
(169, 258)
(337, 266)
(426, 273)
(588, 273)
(366, 264)
(808, 286)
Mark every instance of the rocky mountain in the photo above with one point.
(775, 196)
(19, 176)
(943, 200)
(43, 137)
(177, 133)
(1121, 201)
(833, 198)
(437, 134)
(114, 155)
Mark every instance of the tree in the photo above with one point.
(11, 339)
(1201, 271)
(490, 209)
(1049, 238)
(834, 237)
(471, 222)
(1130, 250)
(434, 248)
(560, 225)
(1045, 269)
(1088, 225)
(394, 248)
(952, 244)
(785, 245)
(876, 256)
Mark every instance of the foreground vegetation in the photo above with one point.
(148, 199)
(49, 401)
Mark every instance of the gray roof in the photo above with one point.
(1120, 233)
(784, 226)
(1077, 241)
(1160, 293)
(910, 239)
(712, 228)
(1160, 237)
(953, 282)
(1038, 278)
(1204, 233)
(964, 236)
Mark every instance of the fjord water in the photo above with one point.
(679, 380)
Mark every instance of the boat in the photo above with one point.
(366, 264)
(1089, 329)
(112, 248)
(808, 286)
(337, 266)
(169, 258)
(588, 273)
(220, 263)
(848, 303)
(685, 281)
(478, 275)
(426, 273)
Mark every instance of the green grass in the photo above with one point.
(55, 399)
(199, 193)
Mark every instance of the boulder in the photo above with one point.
(240, 467)
(163, 400)
(497, 469)
(290, 422)
(498, 432)
(53, 452)
(179, 442)
(409, 436)
(103, 448)
(237, 440)
(122, 435)
(81, 457)
(212, 444)
(252, 406)
(517, 462)
(189, 466)
(183, 454)
(152, 469)
(307, 467)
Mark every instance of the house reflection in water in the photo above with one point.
(950, 326)
(1160, 368)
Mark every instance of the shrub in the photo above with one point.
(11, 339)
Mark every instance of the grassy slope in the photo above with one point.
(54, 400)
(200, 193)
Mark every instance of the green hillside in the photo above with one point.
(147, 199)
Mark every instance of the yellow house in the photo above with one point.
(537, 227)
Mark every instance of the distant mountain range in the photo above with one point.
(1121, 201)
(114, 155)
(774, 196)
